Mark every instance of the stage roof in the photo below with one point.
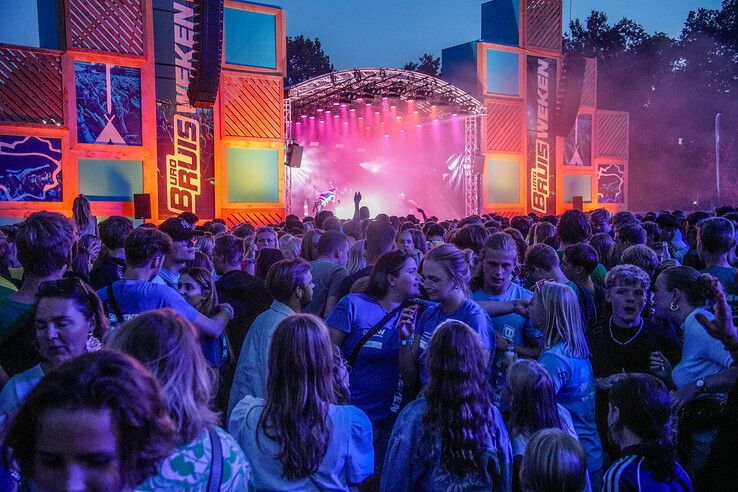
(370, 85)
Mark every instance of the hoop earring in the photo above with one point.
(674, 306)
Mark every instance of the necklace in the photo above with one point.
(612, 335)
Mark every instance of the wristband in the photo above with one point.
(407, 342)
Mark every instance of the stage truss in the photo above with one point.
(370, 84)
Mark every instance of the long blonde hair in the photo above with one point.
(168, 346)
(562, 319)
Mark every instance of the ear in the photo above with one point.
(675, 295)
(613, 414)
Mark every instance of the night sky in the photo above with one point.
(389, 33)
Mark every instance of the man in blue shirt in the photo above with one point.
(290, 283)
(183, 249)
(135, 293)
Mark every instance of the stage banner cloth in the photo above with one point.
(541, 139)
(184, 134)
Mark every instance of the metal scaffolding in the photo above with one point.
(472, 165)
(287, 109)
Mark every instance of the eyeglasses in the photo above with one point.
(186, 243)
(432, 281)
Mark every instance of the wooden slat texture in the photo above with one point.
(611, 134)
(114, 26)
(252, 107)
(504, 127)
(30, 87)
(589, 87)
(256, 217)
(543, 24)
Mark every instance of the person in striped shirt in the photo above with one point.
(638, 423)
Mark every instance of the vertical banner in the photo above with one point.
(184, 134)
(541, 139)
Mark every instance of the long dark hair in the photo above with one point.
(458, 397)
(387, 264)
(533, 406)
(644, 407)
(299, 393)
(81, 212)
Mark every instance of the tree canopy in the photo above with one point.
(305, 60)
(672, 88)
(427, 64)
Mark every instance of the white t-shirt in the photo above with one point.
(702, 355)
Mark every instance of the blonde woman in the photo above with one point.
(566, 358)
(168, 346)
(357, 257)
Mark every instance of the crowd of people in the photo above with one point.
(579, 352)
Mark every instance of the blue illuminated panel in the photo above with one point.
(503, 75)
(250, 38)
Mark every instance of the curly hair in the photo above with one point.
(300, 389)
(458, 397)
(99, 380)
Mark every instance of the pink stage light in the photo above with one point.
(304, 116)
(319, 110)
(376, 112)
(352, 110)
(398, 117)
(386, 135)
(312, 117)
(361, 117)
(345, 122)
(368, 104)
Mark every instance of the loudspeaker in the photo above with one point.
(142, 206)
(570, 95)
(577, 203)
(207, 53)
(293, 157)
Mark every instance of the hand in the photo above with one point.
(683, 395)
(660, 365)
(407, 322)
(357, 198)
(722, 327)
(501, 342)
(226, 308)
(669, 263)
(521, 306)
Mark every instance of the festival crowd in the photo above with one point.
(579, 352)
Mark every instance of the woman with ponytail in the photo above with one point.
(639, 424)
(446, 274)
(705, 374)
(83, 218)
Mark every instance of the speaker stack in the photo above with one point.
(208, 51)
(570, 95)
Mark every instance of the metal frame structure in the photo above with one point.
(473, 161)
(287, 110)
(370, 84)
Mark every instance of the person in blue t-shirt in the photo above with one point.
(715, 242)
(446, 278)
(135, 293)
(374, 380)
(566, 358)
(493, 282)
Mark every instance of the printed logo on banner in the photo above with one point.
(184, 133)
(611, 183)
(108, 104)
(578, 144)
(30, 169)
(541, 140)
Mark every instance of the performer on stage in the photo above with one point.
(323, 199)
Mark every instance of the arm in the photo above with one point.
(532, 349)
(422, 212)
(212, 327)
(329, 305)
(717, 383)
(357, 201)
(499, 308)
(408, 351)
(337, 336)
(721, 327)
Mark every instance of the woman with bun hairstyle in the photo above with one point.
(705, 369)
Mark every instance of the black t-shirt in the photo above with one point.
(620, 350)
(107, 271)
(249, 297)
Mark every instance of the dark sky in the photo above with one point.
(389, 33)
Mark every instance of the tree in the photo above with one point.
(672, 89)
(305, 60)
(427, 64)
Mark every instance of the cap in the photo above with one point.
(178, 229)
